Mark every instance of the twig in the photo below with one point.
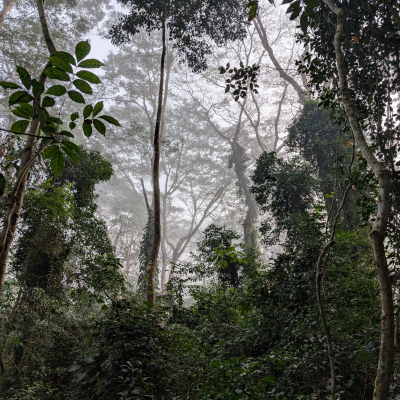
(26, 134)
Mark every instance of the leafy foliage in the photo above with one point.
(63, 66)
(188, 23)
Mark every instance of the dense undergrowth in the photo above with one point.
(75, 329)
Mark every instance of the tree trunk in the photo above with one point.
(163, 242)
(250, 233)
(7, 6)
(151, 269)
(386, 355)
(16, 197)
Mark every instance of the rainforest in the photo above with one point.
(199, 199)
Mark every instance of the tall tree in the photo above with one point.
(54, 143)
(361, 37)
(187, 24)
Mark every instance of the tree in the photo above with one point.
(186, 30)
(364, 76)
(53, 144)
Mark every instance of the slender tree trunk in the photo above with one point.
(16, 197)
(386, 354)
(7, 6)
(378, 233)
(250, 234)
(151, 269)
(163, 242)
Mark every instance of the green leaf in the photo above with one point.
(9, 85)
(304, 22)
(98, 108)
(2, 184)
(56, 73)
(60, 63)
(37, 88)
(295, 9)
(20, 97)
(25, 77)
(111, 120)
(73, 156)
(72, 125)
(87, 111)
(74, 116)
(82, 49)
(20, 126)
(286, 2)
(71, 151)
(51, 151)
(90, 63)
(48, 128)
(54, 120)
(48, 102)
(42, 116)
(19, 113)
(24, 111)
(72, 146)
(66, 57)
(57, 90)
(87, 129)
(99, 126)
(83, 86)
(66, 133)
(76, 96)
(88, 76)
(57, 163)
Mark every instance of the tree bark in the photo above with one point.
(264, 40)
(386, 355)
(151, 269)
(16, 197)
(7, 6)
(250, 232)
